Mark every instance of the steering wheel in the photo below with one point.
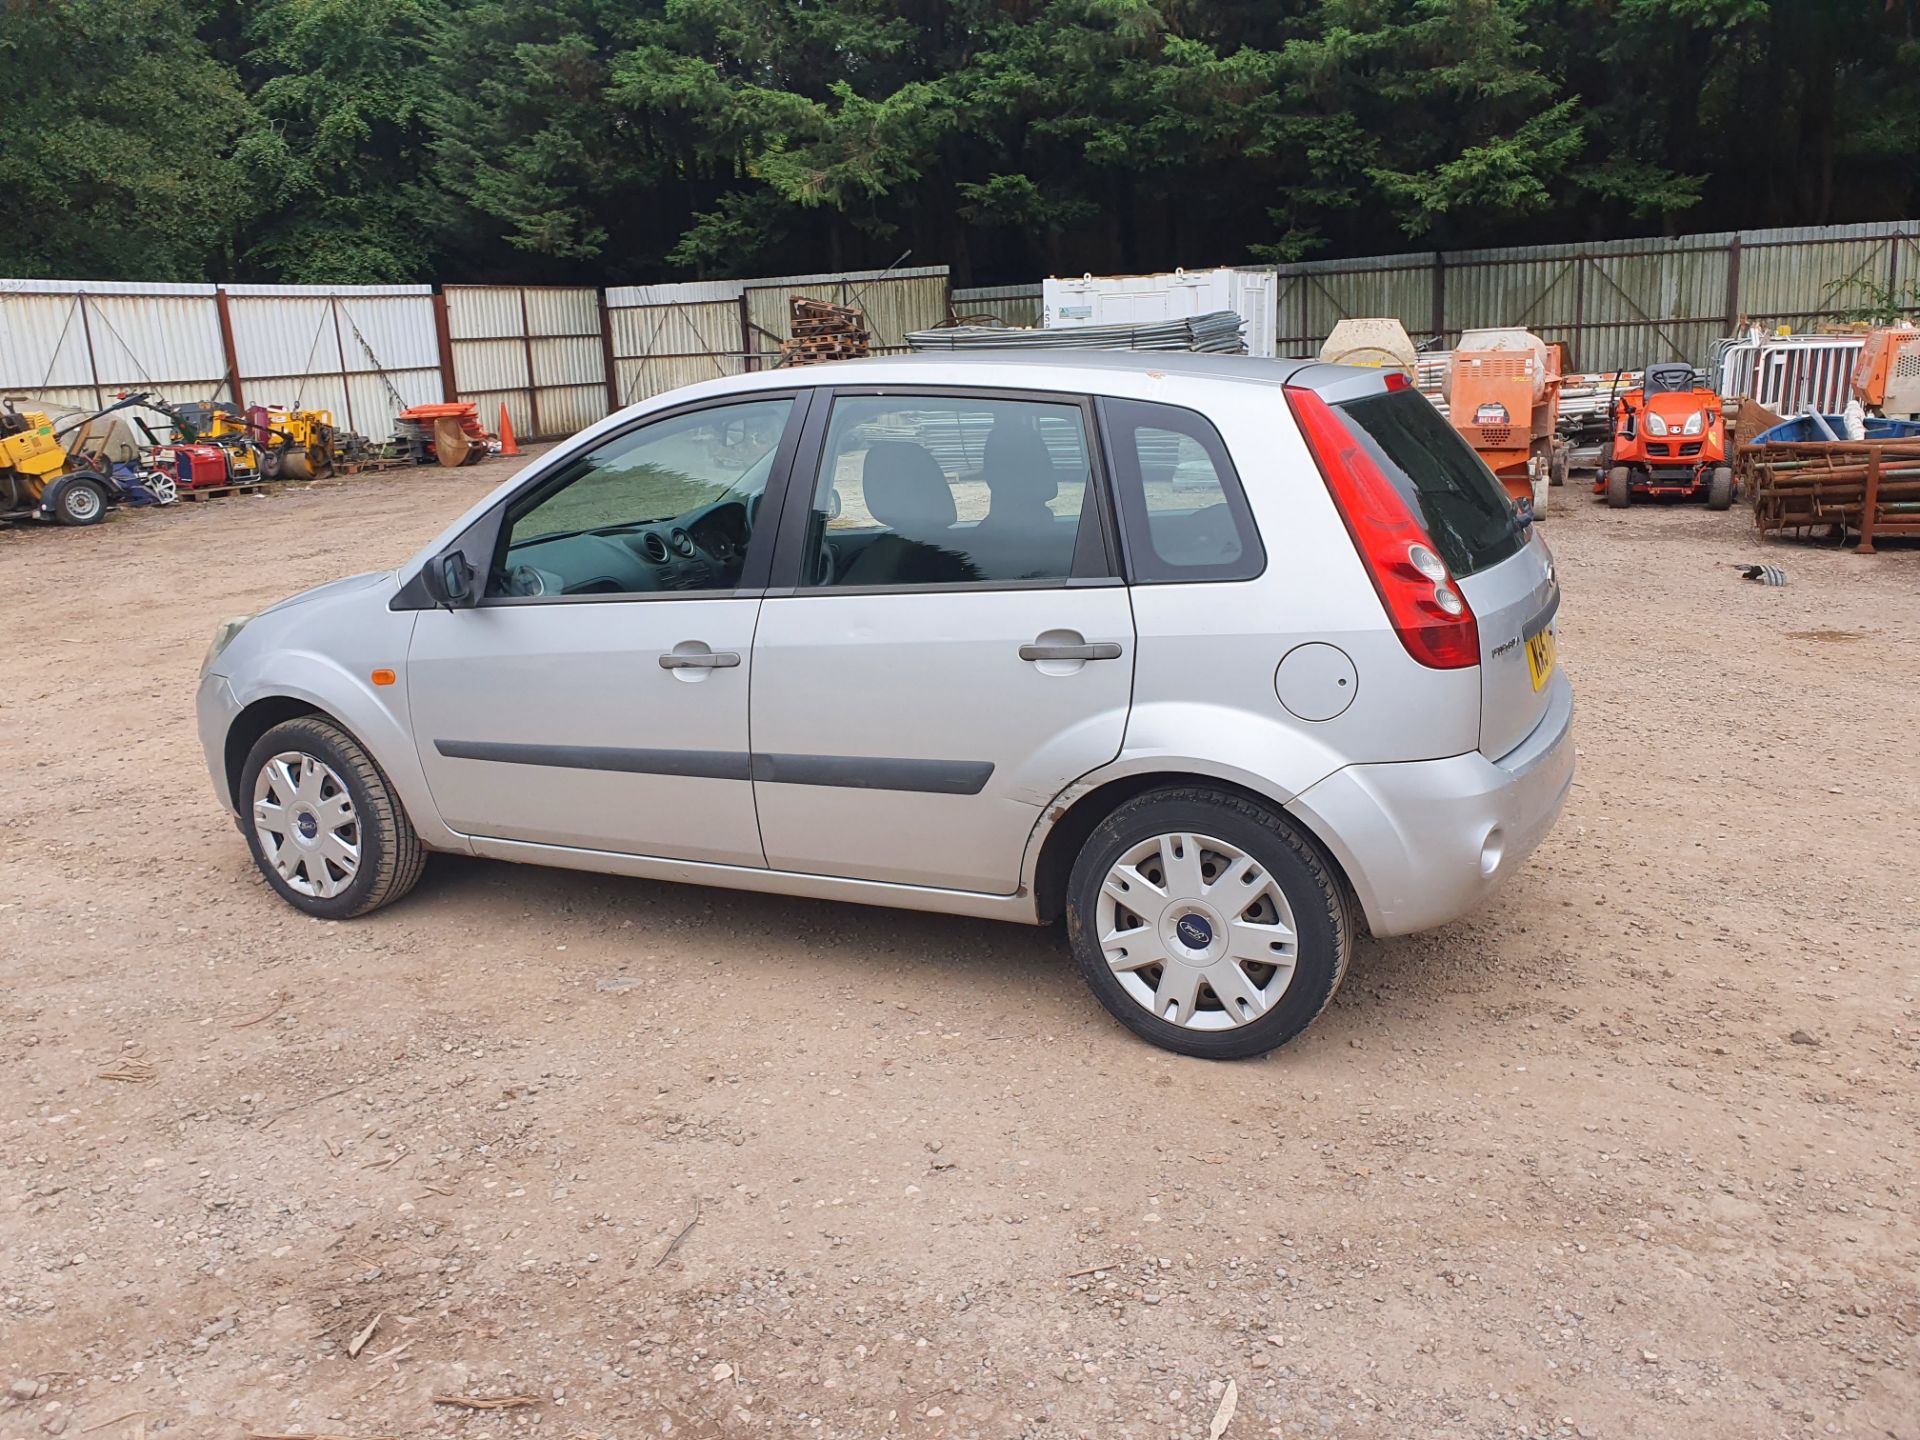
(823, 564)
(524, 580)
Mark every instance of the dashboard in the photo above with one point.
(701, 550)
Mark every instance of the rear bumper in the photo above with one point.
(1427, 841)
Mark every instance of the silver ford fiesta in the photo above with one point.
(1215, 657)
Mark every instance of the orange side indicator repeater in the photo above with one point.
(382, 677)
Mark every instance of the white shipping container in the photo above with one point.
(1141, 299)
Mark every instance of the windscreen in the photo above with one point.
(1462, 506)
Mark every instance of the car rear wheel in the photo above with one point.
(1619, 496)
(1207, 924)
(324, 825)
(1720, 488)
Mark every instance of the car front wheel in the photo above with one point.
(1207, 924)
(324, 825)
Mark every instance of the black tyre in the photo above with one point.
(1619, 493)
(323, 822)
(80, 502)
(1241, 933)
(1720, 488)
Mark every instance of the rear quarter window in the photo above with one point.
(1182, 510)
(1463, 507)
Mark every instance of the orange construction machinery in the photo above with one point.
(1887, 377)
(1503, 395)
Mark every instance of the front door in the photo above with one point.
(954, 650)
(597, 695)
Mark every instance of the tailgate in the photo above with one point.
(1515, 604)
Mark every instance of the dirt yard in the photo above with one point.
(1630, 1154)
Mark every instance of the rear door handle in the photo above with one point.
(719, 660)
(1099, 650)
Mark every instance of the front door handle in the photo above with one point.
(718, 660)
(1099, 650)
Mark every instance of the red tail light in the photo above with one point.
(1430, 615)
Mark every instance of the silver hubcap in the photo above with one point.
(1197, 932)
(82, 502)
(306, 823)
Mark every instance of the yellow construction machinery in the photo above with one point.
(300, 444)
(40, 479)
(262, 442)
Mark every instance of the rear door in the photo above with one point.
(1503, 567)
(953, 646)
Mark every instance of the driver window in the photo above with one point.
(668, 506)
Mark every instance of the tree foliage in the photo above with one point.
(117, 138)
(609, 140)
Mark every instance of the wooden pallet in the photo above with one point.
(809, 329)
(217, 492)
(824, 347)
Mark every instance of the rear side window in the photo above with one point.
(1461, 505)
(1180, 501)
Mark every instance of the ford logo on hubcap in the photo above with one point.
(1194, 932)
(309, 826)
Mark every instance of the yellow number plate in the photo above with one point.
(1540, 656)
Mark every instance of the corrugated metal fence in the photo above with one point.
(540, 351)
(1615, 304)
(364, 353)
(557, 357)
(669, 335)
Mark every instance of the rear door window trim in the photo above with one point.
(1095, 560)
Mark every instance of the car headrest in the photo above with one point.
(1018, 467)
(905, 488)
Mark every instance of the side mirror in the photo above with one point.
(449, 580)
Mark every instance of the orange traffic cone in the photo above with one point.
(507, 445)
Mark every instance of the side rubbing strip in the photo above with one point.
(847, 772)
(695, 764)
(870, 772)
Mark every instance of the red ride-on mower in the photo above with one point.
(1669, 438)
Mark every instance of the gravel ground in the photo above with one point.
(1630, 1153)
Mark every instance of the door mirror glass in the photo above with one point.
(449, 580)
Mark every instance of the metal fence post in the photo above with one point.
(533, 385)
(606, 352)
(1733, 283)
(225, 313)
(346, 384)
(93, 363)
(443, 333)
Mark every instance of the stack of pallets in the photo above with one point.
(822, 330)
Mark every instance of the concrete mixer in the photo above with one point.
(1503, 395)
